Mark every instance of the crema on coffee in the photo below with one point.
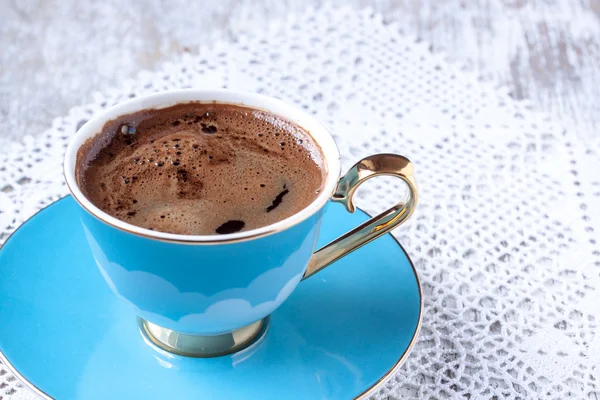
(201, 168)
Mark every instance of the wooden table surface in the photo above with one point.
(56, 54)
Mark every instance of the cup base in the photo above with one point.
(189, 345)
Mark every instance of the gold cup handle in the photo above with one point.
(369, 167)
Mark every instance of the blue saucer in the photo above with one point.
(339, 335)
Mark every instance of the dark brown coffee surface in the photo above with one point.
(200, 169)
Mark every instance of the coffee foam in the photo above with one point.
(200, 169)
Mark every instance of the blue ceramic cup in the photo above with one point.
(208, 295)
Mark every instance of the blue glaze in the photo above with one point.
(63, 329)
(202, 289)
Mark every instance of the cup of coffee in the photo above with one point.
(202, 209)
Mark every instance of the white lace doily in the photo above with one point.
(506, 235)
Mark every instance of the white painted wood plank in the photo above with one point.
(54, 55)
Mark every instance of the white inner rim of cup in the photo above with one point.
(317, 131)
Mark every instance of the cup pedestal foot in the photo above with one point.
(203, 346)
